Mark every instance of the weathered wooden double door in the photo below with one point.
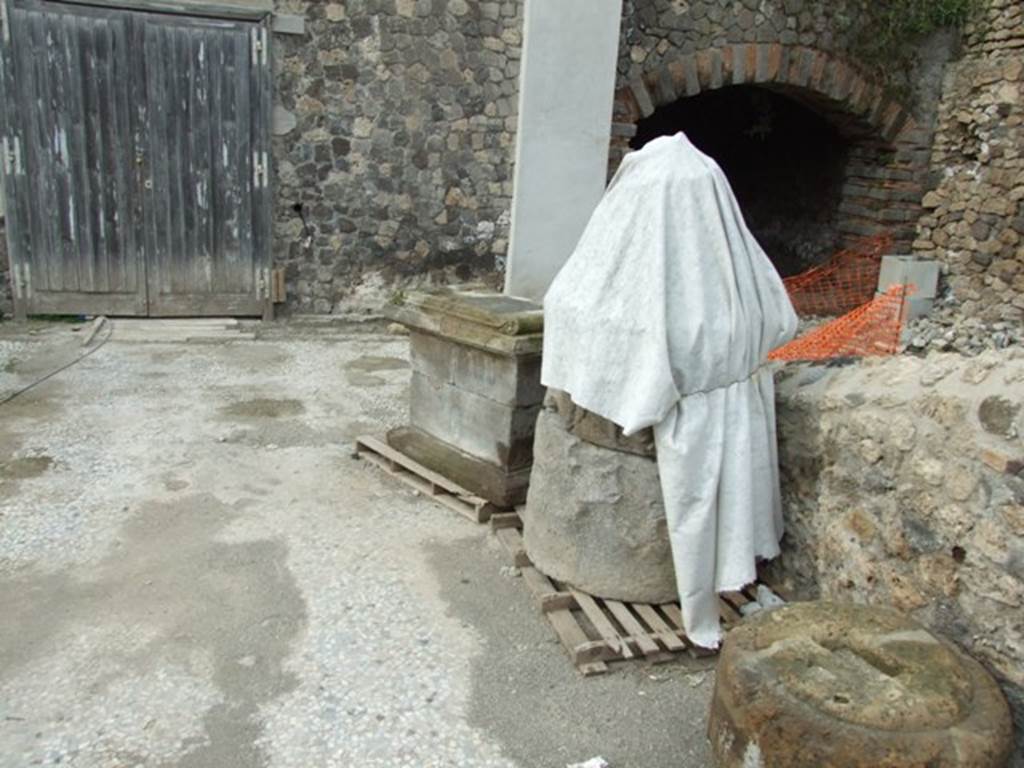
(135, 149)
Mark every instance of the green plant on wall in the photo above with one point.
(886, 29)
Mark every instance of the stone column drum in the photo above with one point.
(594, 517)
(833, 684)
(475, 389)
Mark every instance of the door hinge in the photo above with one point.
(260, 170)
(4, 21)
(22, 281)
(11, 148)
(259, 47)
(263, 284)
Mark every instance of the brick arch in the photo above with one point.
(888, 171)
(858, 106)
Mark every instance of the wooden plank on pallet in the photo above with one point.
(422, 479)
(735, 600)
(675, 616)
(730, 616)
(558, 601)
(634, 629)
(609, 634)
(385, 450)
(501, 520)
(662, 630)
(539, 584)
(575, 641)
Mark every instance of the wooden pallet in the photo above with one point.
(596, 632)
(412, 473)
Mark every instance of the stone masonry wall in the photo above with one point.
(975, 215)
(902, 485)
(671, 49)
(396, 131)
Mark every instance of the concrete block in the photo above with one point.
(907, 270)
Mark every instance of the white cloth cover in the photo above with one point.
(664, 316)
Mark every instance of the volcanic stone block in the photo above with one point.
(828, 684)
(475, 389)
(593, 429)
(594, 517)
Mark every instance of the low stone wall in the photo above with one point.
(902, 483)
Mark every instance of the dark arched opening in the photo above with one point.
(785, 162)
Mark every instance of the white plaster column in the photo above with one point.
(566, 88)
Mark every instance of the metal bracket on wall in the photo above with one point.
(259, 47)
(260, 170)
(11, 148)
(266, 285)
(22, 281)
(4, 22)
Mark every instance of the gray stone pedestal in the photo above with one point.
(594, 516)
(475, 389)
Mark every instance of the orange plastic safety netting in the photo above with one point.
(846, 281)
(873, 329)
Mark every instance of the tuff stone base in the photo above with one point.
(502, 488)
(828, 684)
(594, 518)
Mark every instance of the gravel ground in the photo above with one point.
(194, 571)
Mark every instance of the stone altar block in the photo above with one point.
(475, 390)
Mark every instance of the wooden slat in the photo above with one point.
(634, 630)
(81, 227)
(575, 641)
(385, 450)
(240, 270)
(557, 601)
(539, 584)
(506, 520)
(609, 634)
(436, 486)
(46, 268)
(662, 630)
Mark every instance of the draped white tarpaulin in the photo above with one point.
(663, 317)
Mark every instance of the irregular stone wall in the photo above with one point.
(902, 485)
(975, 218)
(672, 49)
(396, 122)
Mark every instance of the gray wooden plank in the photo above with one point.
(160, 194)
(234, 164)
(46, 231)
(201, 153)
(263, 213)
(114, 146)
(134, 90)
(88, 145)
(24, 226)
(219, 160)
(16, 224)
(181, 267)
(242, 270)
(69, 161)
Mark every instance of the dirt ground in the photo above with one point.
(194, 571)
